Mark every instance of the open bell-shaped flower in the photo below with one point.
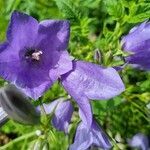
(34, 55)
(18, 106)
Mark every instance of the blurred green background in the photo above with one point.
(95, 24)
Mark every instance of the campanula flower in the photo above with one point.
(17, 106)
(34, 55)
(89, 81)
(137, 42)
(139, 141)
(62, 113)
(86, 137)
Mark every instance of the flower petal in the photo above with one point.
(137, 42)
(53, 34)
(83, 138)
(50, 107)
(62, 116)
(63, 65)
(86, 137)
(83, 102)
(9, 62)
(90, 81)
(22, 30)
(93, 81)
(100, 138)
(137, 39)
(139, 141)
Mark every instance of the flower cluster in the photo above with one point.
(34, 56)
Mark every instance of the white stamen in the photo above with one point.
(36, 55)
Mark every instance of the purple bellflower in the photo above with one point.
(34, 55)
(85, 137)
(62, 112)
(137, 42)
(89, 81)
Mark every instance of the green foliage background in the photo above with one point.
(95, 24)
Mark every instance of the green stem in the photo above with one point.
(17, 140)
(143, 111)
(42, 109)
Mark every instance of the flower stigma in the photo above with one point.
(33, 54)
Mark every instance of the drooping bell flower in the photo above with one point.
(137, 42)
(62, 112)
(89, 81)
(17, 106)
(34, 54)
(139, 141)
(86, 138)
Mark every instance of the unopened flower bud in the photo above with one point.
(97, 56)
(18, 106)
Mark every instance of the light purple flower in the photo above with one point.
(86, 137)
(137, 42)
(63, 111)
(89, 81)
(34, 56)
(139, 141)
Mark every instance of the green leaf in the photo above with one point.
(114, 8)
(139, 17)
(69, 10)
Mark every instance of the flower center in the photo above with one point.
(33, 54)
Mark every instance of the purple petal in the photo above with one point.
(62, 116)
(53, 34)
(22, 30)
(63, 111)
(140, 141)
(85, 109)
(90, 81)
(100, 138)
(85, 138)
(93, 81)
(137, 42)
(64, 64)
(84, 105)
(50, 107)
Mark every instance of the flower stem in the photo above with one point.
(28, 135)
